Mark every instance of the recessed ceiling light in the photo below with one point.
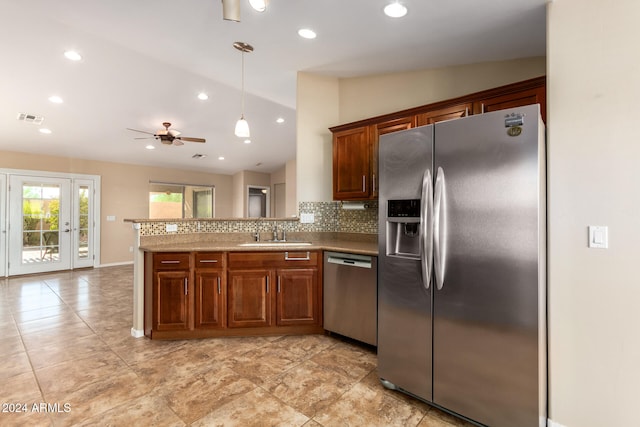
(72, 55)
(55, 99)
(203, 96)
(45, 131)
(259, 5)
(307, 33)
(279, 120)
(247, 141)
(395, 10)
(150, 147)
(221, 158)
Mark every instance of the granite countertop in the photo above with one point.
(355, 246)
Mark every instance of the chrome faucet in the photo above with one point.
(256, 235)
(275, 233)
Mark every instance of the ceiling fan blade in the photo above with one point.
(146, 137)
(177, 142)
(141, 131)
(186, 138)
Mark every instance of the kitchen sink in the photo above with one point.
(276, 244)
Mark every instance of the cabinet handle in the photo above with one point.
(278, 284)
(208, 260)
(219, 291)
(267, 284)
(364, 184)
(169, 262)
(373, 181)
(482, 108)
(186, 286)
(288, 258)
(466, 112)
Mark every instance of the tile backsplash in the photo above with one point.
(328, 217)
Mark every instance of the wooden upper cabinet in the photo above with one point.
(352, 154)
(355, 145)
(445, 113)
(536, 95)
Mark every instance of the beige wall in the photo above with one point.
(594, 153)
(291, 208)
(372, 96)
(317, 100)
(124, 193)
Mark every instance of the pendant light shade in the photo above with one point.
(242, 126)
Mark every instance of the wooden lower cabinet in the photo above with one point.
(171, 302)
(209, 299)
(195, 295)
(296, 297)
(250, 298)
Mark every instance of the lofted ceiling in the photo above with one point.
(145, 61)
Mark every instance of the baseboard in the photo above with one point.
(139, 333)
(115, 264)
(551, 423)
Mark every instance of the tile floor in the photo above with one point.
(67, 358)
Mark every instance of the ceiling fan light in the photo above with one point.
(242, 128)
(259, 5)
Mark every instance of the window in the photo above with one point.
(180, 201)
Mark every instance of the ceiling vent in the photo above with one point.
(30, 118)
(198, 156)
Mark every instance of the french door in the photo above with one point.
(4, 223)
(51, 225)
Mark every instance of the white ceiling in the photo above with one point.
(145, 61)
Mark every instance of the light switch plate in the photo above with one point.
(307, 218)
(598, 236)
(172, 228)
(111, 217)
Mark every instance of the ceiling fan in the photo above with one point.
(168, 136)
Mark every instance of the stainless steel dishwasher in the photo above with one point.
(351, 295)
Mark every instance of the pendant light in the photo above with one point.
(242, 127)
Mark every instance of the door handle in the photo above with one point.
(67, 230)
(440, 228)
(426, 228)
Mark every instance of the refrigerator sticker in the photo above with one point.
(514, 131)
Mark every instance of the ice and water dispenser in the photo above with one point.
(403, 228)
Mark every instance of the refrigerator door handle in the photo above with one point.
(440, 228)
(426, 228)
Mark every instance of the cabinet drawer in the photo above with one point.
(171, 261)
(209, 260)
(295, 258)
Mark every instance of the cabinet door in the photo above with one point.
(517, 99)
(171, 297)
(351, 164)
(447, 113)
(297, 297)
(249, 299)
(210, 292)
(384, 128)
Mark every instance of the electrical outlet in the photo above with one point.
(111, 218)
(130, 248)
(172, 228)
(307, 218)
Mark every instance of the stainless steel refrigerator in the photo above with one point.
(462, 266)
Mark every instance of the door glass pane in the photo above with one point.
(40, 230)
(83, 222)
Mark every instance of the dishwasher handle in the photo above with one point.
(364, 262)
